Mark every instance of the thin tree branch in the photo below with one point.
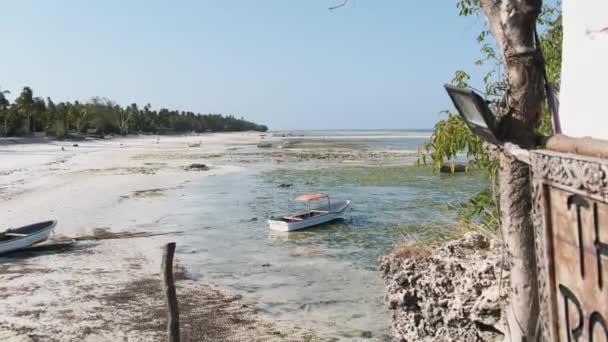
(344, 2)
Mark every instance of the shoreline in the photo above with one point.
(101, 282)
(114, 199)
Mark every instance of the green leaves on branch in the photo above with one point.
(479, 209)
(468, 7)
(461, 79)
(551, 44)
(451, 139)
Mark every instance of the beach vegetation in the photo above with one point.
(100, 116)
(4, 106)
(452, 139)
(408, 249)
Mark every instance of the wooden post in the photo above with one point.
(170, 294)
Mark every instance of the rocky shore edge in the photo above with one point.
(453, 292)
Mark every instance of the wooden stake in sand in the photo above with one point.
(170, 294)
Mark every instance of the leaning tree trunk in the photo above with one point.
(515, 206)
(512, 23)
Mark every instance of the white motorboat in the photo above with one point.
(312, 217)
(26, 236)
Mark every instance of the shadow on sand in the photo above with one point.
(62, 244)
(42, 249)
(11, 141)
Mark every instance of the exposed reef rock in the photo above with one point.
(197, 167)
(341, 155)
(452, 293)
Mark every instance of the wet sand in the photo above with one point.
(118, 201)
(101, 281)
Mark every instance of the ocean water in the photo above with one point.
(323, 279)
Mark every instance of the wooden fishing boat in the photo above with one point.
(311, 217)
(26, 236)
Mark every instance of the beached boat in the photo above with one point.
(312, 217)
(26, 236)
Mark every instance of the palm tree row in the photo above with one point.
(27, 114)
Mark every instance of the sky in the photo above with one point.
(290, 64)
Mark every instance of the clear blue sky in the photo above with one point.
(289, 64)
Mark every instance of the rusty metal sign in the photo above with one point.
(571, 227)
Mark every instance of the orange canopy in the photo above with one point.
(308, 197)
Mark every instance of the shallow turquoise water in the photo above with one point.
(324, 279)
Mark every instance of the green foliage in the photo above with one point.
(468, 7)
(4, 113)
(56, 130)
(29, 113)
(551, 45)
(480, 207)
(451, 137)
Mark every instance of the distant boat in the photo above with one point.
(310, 218)
(195, 145)
(456, 167)
(26, 236)
(264, 145)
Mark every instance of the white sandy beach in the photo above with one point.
(98, 289)
(42, 181)
(119, 200)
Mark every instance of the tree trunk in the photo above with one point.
(512, 23)
(65, 125)
(515, 207)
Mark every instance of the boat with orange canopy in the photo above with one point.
(311, 217)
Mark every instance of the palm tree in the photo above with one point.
(38, 113)
(24, 105)
(4, 104)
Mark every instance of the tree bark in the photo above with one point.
(513, 23)
(516, 224)
(65, 124)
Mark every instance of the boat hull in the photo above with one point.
(39, 232)
(283, 226)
